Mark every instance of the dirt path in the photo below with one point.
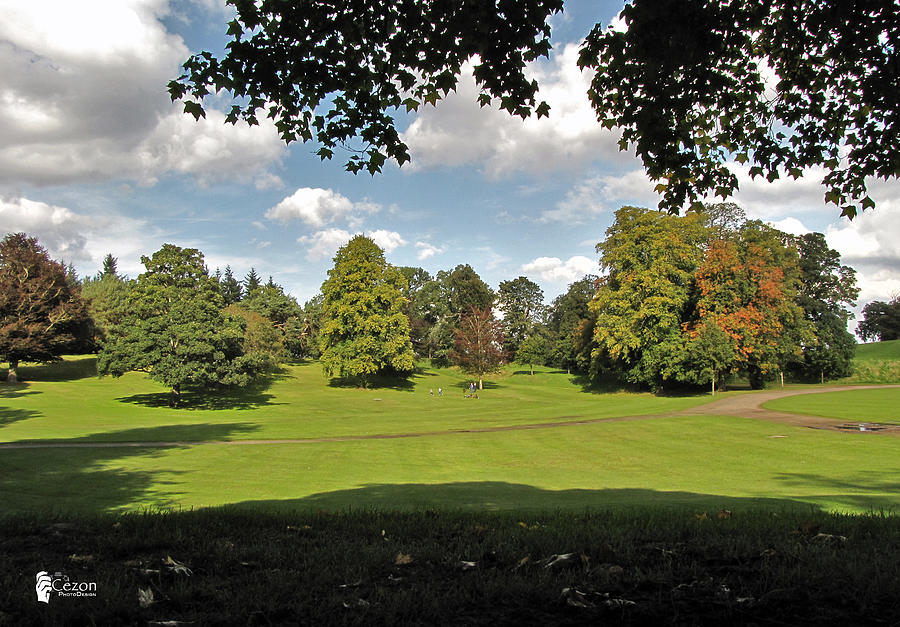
(741, 405)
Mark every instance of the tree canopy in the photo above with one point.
(779, 85)
(478, 343)
(174, 327)
(41, 311)
(881, 321)
(364, 326)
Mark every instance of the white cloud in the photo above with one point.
(459, 132)
(323, 244)
(78, 238)
(318, 207)
(790, 225)
(603, 193)
(557, 270)
(388, 240)
(83, 97)
(426, 250)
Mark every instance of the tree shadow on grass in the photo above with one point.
(9, 415)
(868, 489)
(378, 382)
(65, 370)
(97, 479)
(499, 496)
(251, 397)
(15, 390)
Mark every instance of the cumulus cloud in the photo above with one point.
(459, 132)
(318, 207)
(323, 244)
(83, 97)
(557, 270)
(388, 240)
(75, 237)
(602, 193)
(426, 250)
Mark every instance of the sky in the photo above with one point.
(96, 159)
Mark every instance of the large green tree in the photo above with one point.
(827, 290)
(781, 85)
(881, 321)
(522, 303)
(174, 328)
(568, 314)
(364, 328)
(42, 313)
(644, 299)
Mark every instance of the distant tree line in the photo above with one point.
(678, 301)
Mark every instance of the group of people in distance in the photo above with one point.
(472, 391)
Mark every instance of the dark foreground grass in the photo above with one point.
(659, 566)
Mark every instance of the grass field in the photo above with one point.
(67, 400)
(687, 461)
(677, 519)
(856, 405)
(878, 351)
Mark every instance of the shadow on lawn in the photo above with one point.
(250, 397)
(65, 370)
(9, 415)
(499, 496)
(866, 490)
(95, 480)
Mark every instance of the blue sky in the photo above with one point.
(95, 159)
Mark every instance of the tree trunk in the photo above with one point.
(480, 383)
(532, 369)
(12, 375)
(714, 384)
(176, 395)
(823, 377)
(782, 378)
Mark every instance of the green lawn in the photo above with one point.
(878, 351)
(706, 462)
(67, 400)
(857, 405)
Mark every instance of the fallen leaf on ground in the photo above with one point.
(554, 561)
(403, 559)
(145, 597)
(177, 567)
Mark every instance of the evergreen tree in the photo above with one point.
(42, 314)
(232, 292)
(110, 266)
(251, 281)
(364, 328)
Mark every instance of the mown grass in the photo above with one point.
(640, 566)
(65, 401)
(878, 351)
(878, 405)
(876, 362)
(701, 461)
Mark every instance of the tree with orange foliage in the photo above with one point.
(747, 286)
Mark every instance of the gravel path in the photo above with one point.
(740, 405)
